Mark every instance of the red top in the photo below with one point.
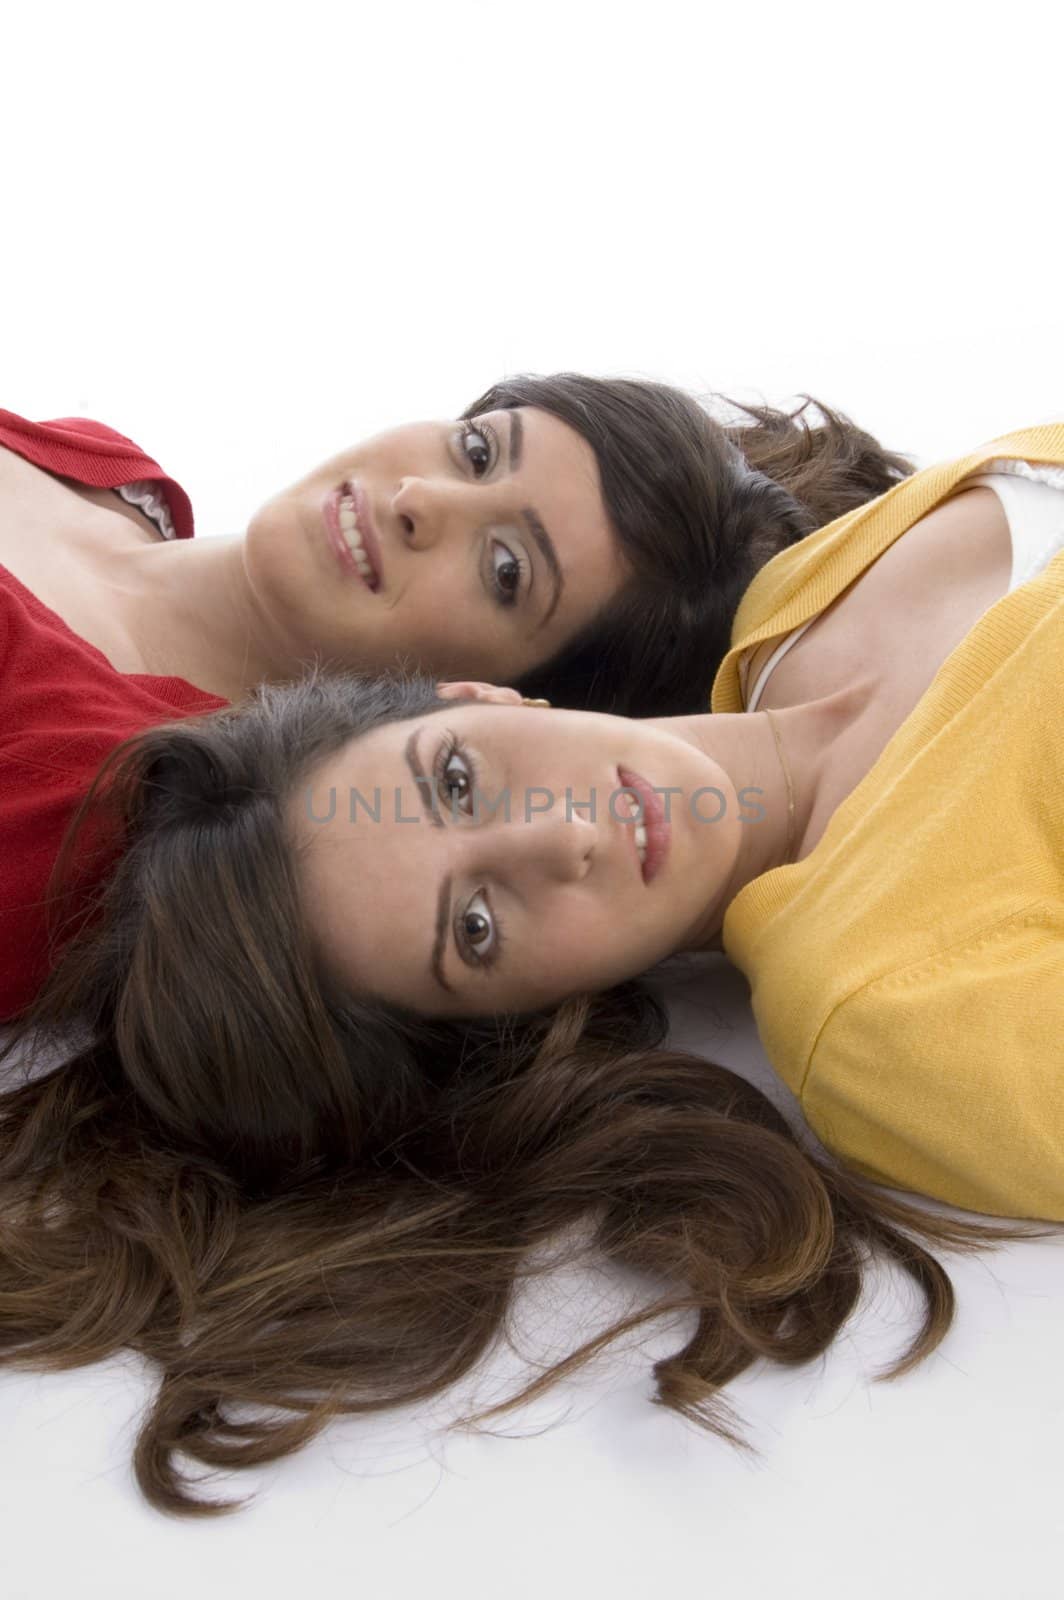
(63, 707)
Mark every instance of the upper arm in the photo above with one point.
(949, 567)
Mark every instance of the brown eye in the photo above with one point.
(455, 776)
(506, 573)
(476, 443)
(456, 784)
(477, 934)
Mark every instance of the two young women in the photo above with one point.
(587, 539)
(279, 1070)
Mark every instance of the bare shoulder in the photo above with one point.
(963, 544)
(942, 573)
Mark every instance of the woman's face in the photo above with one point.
(461, 549)
(422, 891)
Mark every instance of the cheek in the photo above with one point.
(579, 940)
(281, 529)
(369, 922)
(453, 631)
(599, 944)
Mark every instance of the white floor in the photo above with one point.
(247, 236)
(946, 1483)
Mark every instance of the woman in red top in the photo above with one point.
(586, 539)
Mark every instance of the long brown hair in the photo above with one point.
(299, 1203)
(700, 497)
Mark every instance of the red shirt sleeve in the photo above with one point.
(95, 455)
(63, 708)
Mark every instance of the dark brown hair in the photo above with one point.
(699, 505)
(299, 1203)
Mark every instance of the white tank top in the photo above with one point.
(1032, 498)
(148, 497)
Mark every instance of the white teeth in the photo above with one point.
(352, 537)
(634, 811)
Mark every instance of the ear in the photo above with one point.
(485, 693)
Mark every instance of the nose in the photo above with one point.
(549, 847)
(424, 509)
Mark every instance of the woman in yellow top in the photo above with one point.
(907, 973)
(323, 890)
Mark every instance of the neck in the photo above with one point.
(745, 748)
(191, 613)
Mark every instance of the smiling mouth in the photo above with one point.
(353, 543)
(639, 832)
(652, 834)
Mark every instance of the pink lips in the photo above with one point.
(366, 528)
(654, 821)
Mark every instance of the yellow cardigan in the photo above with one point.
(907, 976)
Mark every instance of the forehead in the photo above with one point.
(561, 469)
(555, 459)
(369, 861)
(558, 479)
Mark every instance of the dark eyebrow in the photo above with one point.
(422, 781)
(550, 557)
(443, 904)
(535, 526)
(517, 439)
(443, 922)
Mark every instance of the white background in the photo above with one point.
(248, 235)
